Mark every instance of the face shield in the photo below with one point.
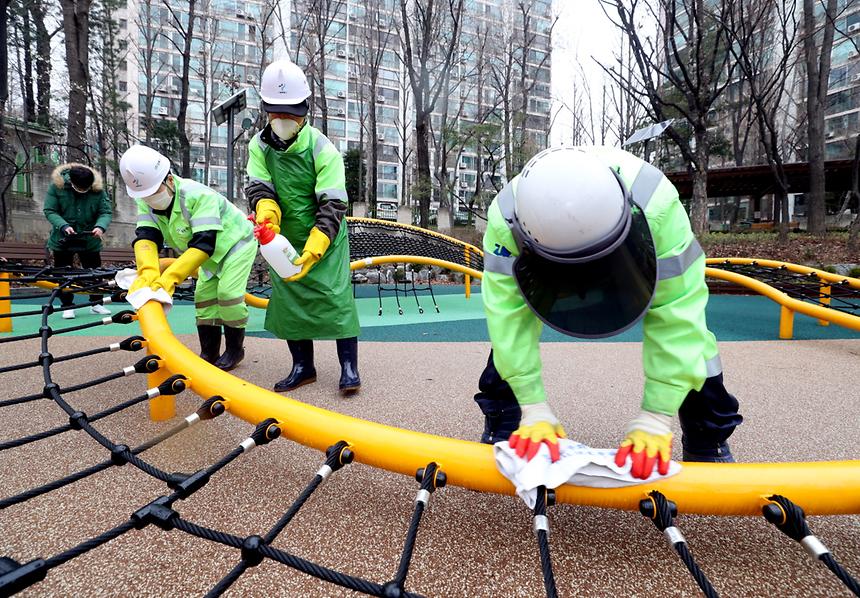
(597, 292)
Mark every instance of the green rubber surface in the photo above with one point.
(730, 317)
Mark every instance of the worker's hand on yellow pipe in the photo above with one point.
(537, 426)
(648, 443)
(146, 258)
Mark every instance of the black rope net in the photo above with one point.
(839, 296)
(163, 511)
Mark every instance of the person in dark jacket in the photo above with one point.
(79, 211)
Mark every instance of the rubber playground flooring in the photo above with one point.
(730, 318)
(799, 399)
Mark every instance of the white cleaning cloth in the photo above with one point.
(579, 465)
(124, 279)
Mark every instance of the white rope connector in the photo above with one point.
(541, 524)
(674, 535)
(423, 496)
(128, 371)
(192, 419)
(814, 547)
(114, 347)
(324, 472)
(106, 321)
(247, 444)
(153, 392)
(106, 300)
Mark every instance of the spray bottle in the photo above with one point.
(276, 250)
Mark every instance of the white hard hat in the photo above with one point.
(143, 169)
(587, 265)
(568, 201)
(284, 88)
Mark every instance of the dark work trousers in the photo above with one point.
(708, 416)
(65, 259)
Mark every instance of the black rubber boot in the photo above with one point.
(234, 351)
(210, 342)
(720, 453)
(501, 410)
(347, 353)
(303, 371)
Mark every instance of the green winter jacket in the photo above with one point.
(82, 211)
(678, 353)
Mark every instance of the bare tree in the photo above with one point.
(43, 38)
(146, 56)
(854, 229)
(764, 43)
(185, 28)
(431, 31)
(404, 125)
(683, 68)
(76, 27)
(374, 38)
(6, 173)
(316, 29)
(817, 59)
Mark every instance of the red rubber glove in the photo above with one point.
(537, 426)
(648, 442)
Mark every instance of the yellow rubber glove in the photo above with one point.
(146, 258)
(537, 426)
(316, 245)
(182, 268)
(648, 442)
(269, 213)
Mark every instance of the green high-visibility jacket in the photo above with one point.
(82, 211)
(306, 178)
(196, 208)
(678, 352)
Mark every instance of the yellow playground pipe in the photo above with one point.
(822, 488)
(789, 305)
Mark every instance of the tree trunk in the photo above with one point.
(26, 37)
(184, 144)
(854, 229)
(372, 167)
(5, 169)
(76, 27)
(422, 156)
(817, 79)
(43, 63)
(699, 206)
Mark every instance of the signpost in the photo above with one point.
(227, 110)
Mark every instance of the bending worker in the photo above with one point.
(209, 232)
(589, 241)
(297, 186)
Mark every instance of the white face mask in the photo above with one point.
(285, 128)
(160, 200)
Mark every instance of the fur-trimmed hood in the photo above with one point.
(61, 173)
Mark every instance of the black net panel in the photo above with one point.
(804, 287)
(369, 238)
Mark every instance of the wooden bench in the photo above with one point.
(34, 252)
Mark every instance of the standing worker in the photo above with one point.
(80, 212)
(589, 241)
(297, 186)
(210, 233)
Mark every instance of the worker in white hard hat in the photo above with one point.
(209, 232)
(590, 241)
(297, 187)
